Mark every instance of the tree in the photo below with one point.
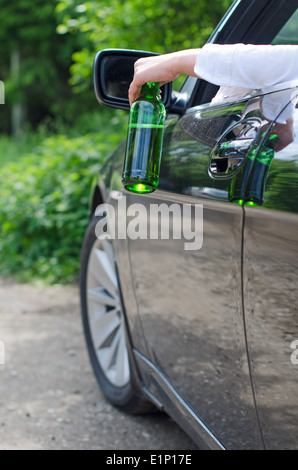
(41, 69)
(135, 24)
(34, 63)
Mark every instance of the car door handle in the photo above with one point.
(229, 155)
(229, 152)
(233, 148)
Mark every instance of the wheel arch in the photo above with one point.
(96, 195)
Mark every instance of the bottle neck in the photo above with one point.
(150, 91)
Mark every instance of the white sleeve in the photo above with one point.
(246, 65)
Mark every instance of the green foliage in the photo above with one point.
(281, 188)
(45, 181)
(52, 66)
(135, 24)
(39, 81)
(44, 201)
(11, 150)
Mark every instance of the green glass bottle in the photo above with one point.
(144, 141)
(257, 182)
(240, 180)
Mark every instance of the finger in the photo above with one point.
(133, 93)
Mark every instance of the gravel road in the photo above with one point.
(49, 399)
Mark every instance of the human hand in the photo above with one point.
(162, 69)
(285, 134)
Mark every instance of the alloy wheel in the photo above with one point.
(104, 314)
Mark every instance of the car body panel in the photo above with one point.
(209, 373)
(211, 329)
(271, 298)
(193, 299)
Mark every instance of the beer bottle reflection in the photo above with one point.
(257, 181)
(240, 181)
(248, 186)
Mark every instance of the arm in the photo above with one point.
(247, 65)
(239, 65)
(162, 69)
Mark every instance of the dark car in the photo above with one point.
(206, 333)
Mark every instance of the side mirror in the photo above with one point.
(113, 71)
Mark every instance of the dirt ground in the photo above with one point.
(49, 399)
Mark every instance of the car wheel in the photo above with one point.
(104, 325)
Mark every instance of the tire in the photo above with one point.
(104, 325)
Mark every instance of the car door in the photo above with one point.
(270, 289)
(189, 297)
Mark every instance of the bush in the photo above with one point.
(44, 207)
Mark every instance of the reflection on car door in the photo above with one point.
(271, 296)
(190, 301)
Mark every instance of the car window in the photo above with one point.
(289, 33)
(281, 28)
